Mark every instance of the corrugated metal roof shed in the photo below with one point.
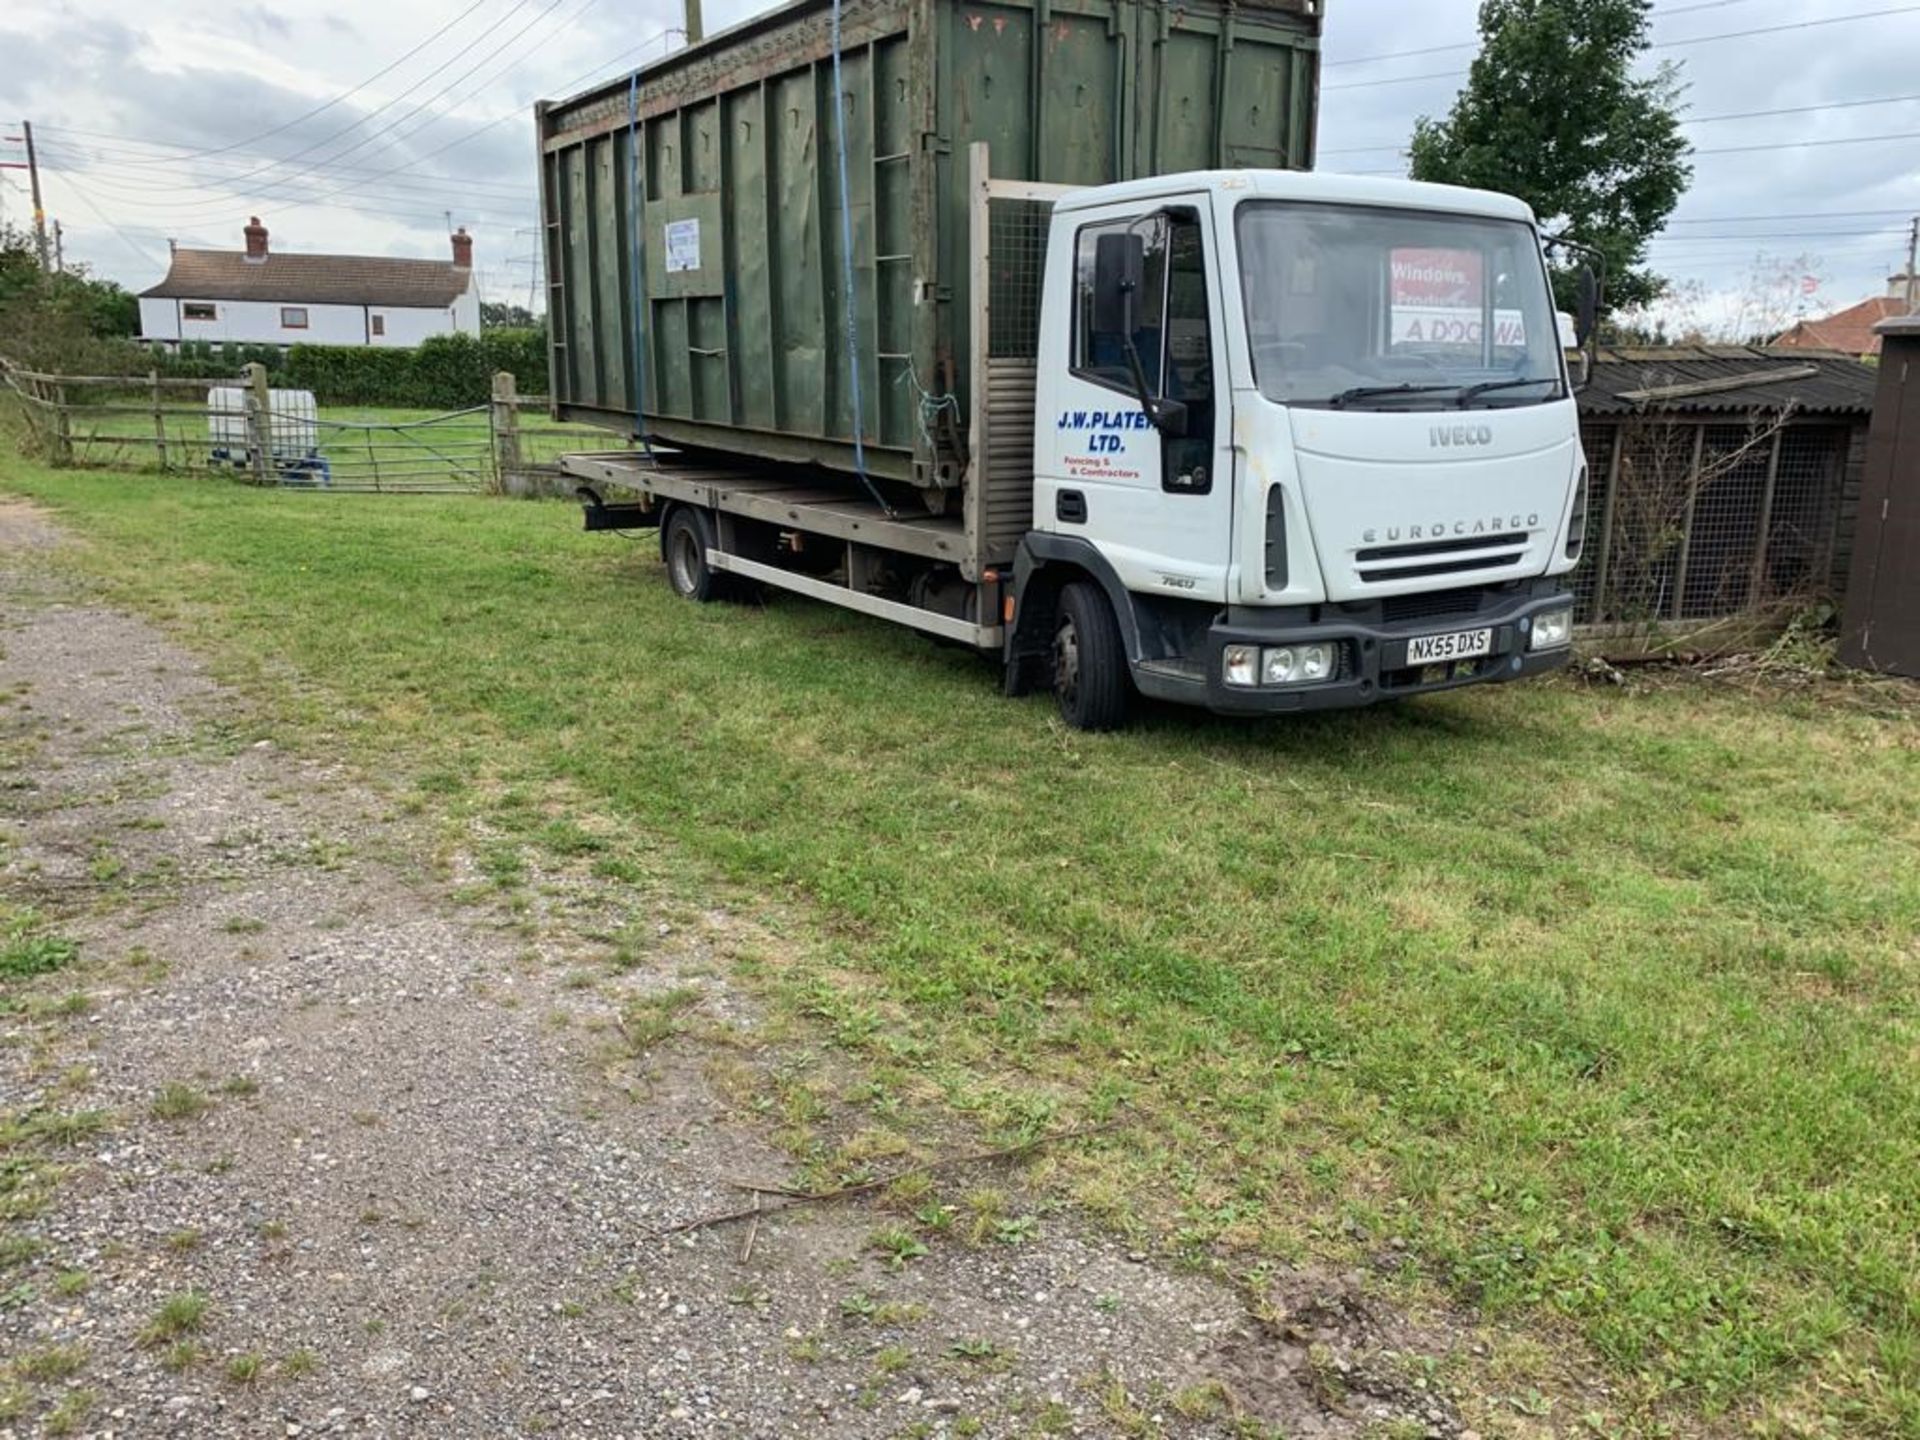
(1719, 379)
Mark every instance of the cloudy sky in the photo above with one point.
(361, 126)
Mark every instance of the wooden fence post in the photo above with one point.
(159, 419)
(62, 428)
(504, 420)
(259, 407)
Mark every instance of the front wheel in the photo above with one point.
(1090, 681)
(683, 545)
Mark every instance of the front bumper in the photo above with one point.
(1374, 664)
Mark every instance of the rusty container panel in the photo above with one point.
(692, 214)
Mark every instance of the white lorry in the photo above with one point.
(1280, 441)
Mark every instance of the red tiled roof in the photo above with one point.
(1849, 331)
(312, 279)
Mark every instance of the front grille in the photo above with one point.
(1443, 557)
(1510, 539)
(1432, 605)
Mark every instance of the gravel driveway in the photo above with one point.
(302, 1143)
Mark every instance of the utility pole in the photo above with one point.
(33, 182)
(1913, 255)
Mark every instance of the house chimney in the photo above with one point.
(1897, 286)
(462, 249)
(256, 234)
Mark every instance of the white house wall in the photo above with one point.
(255, 322)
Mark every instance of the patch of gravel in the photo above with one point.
(424, 1204)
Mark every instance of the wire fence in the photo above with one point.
(1700, 520)
(243, 429)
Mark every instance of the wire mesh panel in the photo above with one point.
(1649, 519)
(1709, 518)
(1806, 509)
(1724, 517)
(1017, 257)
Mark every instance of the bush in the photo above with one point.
(445, 372)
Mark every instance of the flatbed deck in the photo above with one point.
(816, 510)
(758, 496)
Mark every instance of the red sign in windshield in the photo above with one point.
(1437, 299)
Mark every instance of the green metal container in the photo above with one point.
(725, 305)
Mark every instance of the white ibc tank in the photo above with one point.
(295, 426)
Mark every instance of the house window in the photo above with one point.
(195, 311)
(293, 317)
(379, 324)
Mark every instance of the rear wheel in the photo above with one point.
(683, 545)
(1090, 681)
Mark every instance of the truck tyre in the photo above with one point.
(683, 545)
(1090, 680)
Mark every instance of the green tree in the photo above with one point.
(44, 316)
(1553, 112)
(502, 315)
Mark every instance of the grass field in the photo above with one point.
(1606, 1002)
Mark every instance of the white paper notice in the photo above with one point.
(683, 245)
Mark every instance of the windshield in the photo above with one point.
(1377, 308)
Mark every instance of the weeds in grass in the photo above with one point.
(296, 1363)
(182, 1314)
(649, 1019)
(50, 1364)
(28, 948)
(69, 1283)
(240, 1087)
(70, 1412)
(247, 1368)
(179, 1101)
(896, 1246)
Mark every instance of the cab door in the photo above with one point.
(1157, 502)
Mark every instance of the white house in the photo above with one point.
(257, 298)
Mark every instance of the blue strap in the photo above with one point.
(636, 204)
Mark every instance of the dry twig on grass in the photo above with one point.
(793, 1199)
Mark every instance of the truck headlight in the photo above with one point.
(1296, 664)
(1242, 664)
(1551, 629)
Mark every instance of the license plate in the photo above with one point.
(1460, 645)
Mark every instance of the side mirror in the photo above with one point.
(1587, 318)
(1119, 268)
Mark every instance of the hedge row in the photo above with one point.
(445, 372)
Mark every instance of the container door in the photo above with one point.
(1158, 505)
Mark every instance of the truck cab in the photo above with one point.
(1301, 441)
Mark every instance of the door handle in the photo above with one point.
(1070, 507)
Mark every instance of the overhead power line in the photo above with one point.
(1691, 119)
(1808, 144)
(348, 129)
(1475, 44)
(1658, 44)
(346, 95)
(156, 181)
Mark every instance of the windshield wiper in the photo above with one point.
(1487, 387)
(1369, 392)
